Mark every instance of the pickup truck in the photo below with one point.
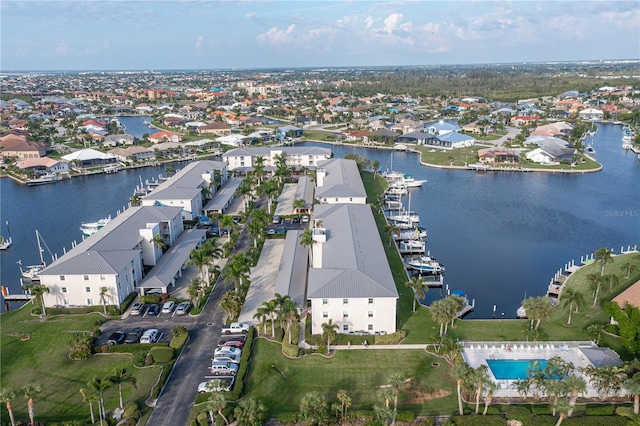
(235, 328)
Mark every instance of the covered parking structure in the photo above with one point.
(223, 198)
(169, 268)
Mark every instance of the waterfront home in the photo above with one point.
(165, 136)
(349, 279)
(233, 140)
(189, 188)
(133, 153)
(44, 165)
(498, 156)
(114, 257)
(592, 114)
(338, 181)
(215, 128)
(117, 140)
(550, 151)
(560, 129)
(380, 136)
(441, 127)
(407, 126)
(244, 159)
(89, 157)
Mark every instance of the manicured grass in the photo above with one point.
(360, 372)
(43, 359)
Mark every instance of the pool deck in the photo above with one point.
(477, 353)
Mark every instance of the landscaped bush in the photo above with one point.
(514, 412)
(405, 416)
(361, 415)
(625, 411)
(427, 421)
(279, 334)
(180, 336)
(37, 310)
(238, 387)
(134, 347)
(131, 411)
(80, 310)
(289, 350)
(541, 410)
(391, 339)
(202, 419)
(128, 301)
(288, 418)
(472, 420)
(593, 421)
(151, 299)
(600, 410)
(611, 329)
(161, 354)
(163, 378)
(139, 358)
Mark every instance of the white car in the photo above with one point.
(150, 336)
(227, 350)
(168, 307)
(227, 358)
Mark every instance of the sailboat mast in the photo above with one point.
(40, 249)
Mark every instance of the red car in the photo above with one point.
(231, 342)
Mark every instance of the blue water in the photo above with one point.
(512, 369)
(135, 125)
(500, 236)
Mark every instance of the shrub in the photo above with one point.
(139, 358)
(131, 410)
(202, 419)
(288, 418)
(37, 310)
(391, 339)
(161, 354)
(514, 412)
(592, 421)
(600, 410)
(163, 378)
(134, 347)
(405, 416)
(151, 299)
(625, 412)
(426, 421)
(128, 301)
(289, 350)
(541, 410)
(478, 420)
(322, 349)
(279, 334)
(611, 329)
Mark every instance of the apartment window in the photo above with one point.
(87, 289)
(104, 278)
(345, 327)
(61, 278)
(64, 289)
(325, 315)
(336, 199)
(89, 302)
(370, 327)
(371, 301)
(350, 198)
(345, 315)
(370, 314)
(86, 278)
(325, 301)
(345, 301)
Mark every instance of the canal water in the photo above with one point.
(501, 236)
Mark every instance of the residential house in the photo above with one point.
(18, 147)
(215, 128)
(559, 129)
(89, 157)
(550, 150)
(118, 140)
(407, 126)
(165, 136)
(338, 181)
(133, 153)
(592, 114)
(44, 165)
(498, 156)
(524, 120)
(349, 281)
(441, 127)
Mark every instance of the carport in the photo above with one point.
(169, 267)
(223, 197)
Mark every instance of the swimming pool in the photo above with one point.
(512, 369)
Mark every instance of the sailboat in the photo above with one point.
(389, 174)
(31, 272)
(5, 243)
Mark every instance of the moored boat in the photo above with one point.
(411, 246)
(43, 180)
(425, 264)
(90, 228)
(5, 243)
(417, 233)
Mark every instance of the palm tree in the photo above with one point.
(159, 242)
(231, 302)
(345, 403)
(135, 200)
(594, 331)
(200, 258)
(489, 388)
(313, 408)
(329, 331)
(396, 380)
(269, 308)
(438, 313)
(268, 189)
(632, 385)
(118, 377)
(38, 291)
(250, 412)
(30, 390)
(561, 405)
(417, 285)
(236, 271)
(217, 401)
(256, 230)
(298, 205)
(461, 371)
(604, 256)
(90, 398)
(538, 309)
(596, 281)
(630, 267)
(481, 377)
(99, 385)
(576, 385)
(306, 240)
(6, 395)
(570, 297)
(195, 291)
(391, 228)
(103, 298)
(227, 222)
(289, 310)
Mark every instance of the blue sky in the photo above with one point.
(191, 34)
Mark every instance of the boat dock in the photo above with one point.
(480, 168)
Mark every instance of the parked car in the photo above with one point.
(276, 220)
(134, 335)
(183, 308)
(138, 308)
(235, 328)
(150, 336)
(116, 338)
(216, 385)
(295, 220)
(234, 343)
(227, 358)
(153, 310)
(305, 219)
(168, 307)
(220, 368)
(227, 350)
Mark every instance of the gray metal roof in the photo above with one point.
(91, 263)
(354, 263)
(304, 190)
(266, 151)
(292, 272)
(171, 262)
(222, 197)
(190, 176)
(173, 193)
(341, 180)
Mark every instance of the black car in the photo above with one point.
(134, 335)
(116, 338)
(153, 310)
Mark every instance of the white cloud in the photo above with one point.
(199, 42)
(62, 49)
(277, 36)
(250, 15)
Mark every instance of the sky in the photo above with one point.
(205, 34)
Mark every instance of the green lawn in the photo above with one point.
(360, 372)
(43, 359)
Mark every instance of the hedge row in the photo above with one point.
(390, 339)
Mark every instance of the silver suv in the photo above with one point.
(224, 368)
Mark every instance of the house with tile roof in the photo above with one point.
(44, 164)
(349, 279)
(133, 153)
(20, 148)
(165, 136)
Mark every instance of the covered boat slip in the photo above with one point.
(169, 268)
(223, 198)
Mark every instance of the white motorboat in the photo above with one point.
(5, 243)
(396, 190)
(406, 181)
(90, 228)
(411, 246)
(416, 233)
(426, 265)
(404, 217)
(43, 180)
